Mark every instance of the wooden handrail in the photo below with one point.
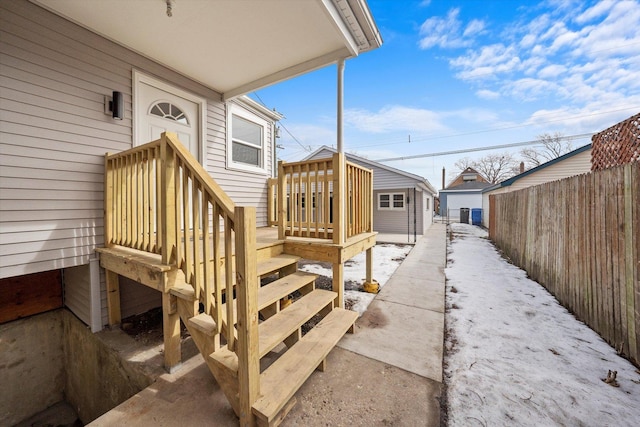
(159, 199)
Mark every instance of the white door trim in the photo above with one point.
(138, 78)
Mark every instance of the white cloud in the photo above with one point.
(446, 32)
(474, 27)
(490, 60)
(487, 94)
(556, 58)
(551, 71)
(395, 118)
(595, 11)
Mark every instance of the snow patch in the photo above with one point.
(516, 356)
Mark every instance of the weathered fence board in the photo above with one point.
(580, 238)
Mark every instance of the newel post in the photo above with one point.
(170, 316)
(247, 294)
(167, 200)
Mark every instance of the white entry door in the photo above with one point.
(162, 108)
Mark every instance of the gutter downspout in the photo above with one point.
(408, 200)
(415, 220)
(340, 106)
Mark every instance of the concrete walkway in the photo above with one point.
(404, 324)
(388, 373)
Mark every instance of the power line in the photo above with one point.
(486, 148)
(431, 138)
(307, 149)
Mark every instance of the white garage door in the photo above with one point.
(471, 201)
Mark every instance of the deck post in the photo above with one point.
(171, 332)
(339, 198)
(338, 284)
(247, 294)
(113, 297)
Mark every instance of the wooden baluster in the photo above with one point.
(282, 201)
(206, 254)
(326, 187)
(159, 206)
(138, 202)
(185, 201)
(217, 268)
(228, 264)
(315, 200)
(129, 201)
(108, 201)
(197, 228)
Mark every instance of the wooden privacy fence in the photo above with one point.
(327, 198)
(580, 238)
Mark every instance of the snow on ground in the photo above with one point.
(386, 259)
(517, 357)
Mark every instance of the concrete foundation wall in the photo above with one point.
(97, 378)
(32, 366)
(51, 357)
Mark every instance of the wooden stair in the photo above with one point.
(303, 355)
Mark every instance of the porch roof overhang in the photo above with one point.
(233, 47)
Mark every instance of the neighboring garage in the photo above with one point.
(466, 195)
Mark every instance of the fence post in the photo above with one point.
(631, 303)
(247, 292)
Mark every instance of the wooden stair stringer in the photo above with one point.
(224, 365)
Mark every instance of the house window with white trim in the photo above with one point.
(247, 145)
(391, 201)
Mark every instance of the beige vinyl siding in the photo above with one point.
(54, 135)
(245, 188)
(575, 165)
(390, 221)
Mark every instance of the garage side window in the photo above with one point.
(391, 201)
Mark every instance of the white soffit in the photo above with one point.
(233, 47)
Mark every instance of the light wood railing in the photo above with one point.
(324, 198)
(159, 199)
(272, 201)
(359, 199)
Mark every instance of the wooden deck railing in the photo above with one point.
(272, 201)
(359, 199)
(323, 198)
(159, 199)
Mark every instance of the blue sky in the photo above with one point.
(455, 75)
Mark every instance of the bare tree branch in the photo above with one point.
(497, 167)
(551, 147)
